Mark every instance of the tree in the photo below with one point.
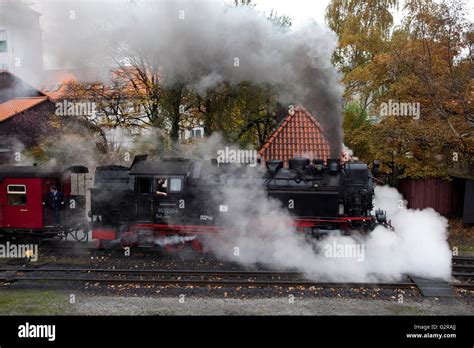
(422, 62)
(354, 116)
(363, 28)
(116, 108)
(255, 108)
(175, 103)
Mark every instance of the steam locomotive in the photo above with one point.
(176, 202)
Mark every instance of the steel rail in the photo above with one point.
(159, 272)
(216, 282)
(168, 277)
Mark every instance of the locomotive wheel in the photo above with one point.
(126, 242)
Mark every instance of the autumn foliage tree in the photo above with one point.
(422, 61)
(363, 28)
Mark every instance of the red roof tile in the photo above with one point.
(298, 135)
(15, 106)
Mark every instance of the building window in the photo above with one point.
(197, 133)
(16, 194)
(3, 41)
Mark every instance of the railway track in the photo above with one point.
(463, 267)
(178, 277)
(187, 277)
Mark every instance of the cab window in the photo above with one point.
(16, 194)
(176, 184)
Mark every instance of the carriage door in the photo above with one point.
(145, 199)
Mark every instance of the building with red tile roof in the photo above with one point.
(24, 113)
(15, 106)
(297, 135)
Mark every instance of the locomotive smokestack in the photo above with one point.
(273, 166)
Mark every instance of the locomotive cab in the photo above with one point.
(160, 189)
(158, 197)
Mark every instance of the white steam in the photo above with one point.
(258, 231)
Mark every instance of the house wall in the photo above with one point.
(22, 33)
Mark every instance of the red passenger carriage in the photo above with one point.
(23, 193)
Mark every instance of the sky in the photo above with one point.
(303, 10)
(299, 10)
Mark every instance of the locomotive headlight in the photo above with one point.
(341, 209)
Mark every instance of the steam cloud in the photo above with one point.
(261, 230)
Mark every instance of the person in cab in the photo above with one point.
(161, 189)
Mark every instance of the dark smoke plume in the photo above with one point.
(203, 44)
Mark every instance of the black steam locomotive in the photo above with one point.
(174, 202)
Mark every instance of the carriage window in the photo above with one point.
(176, 184)
(16, 194)
(78, 184)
